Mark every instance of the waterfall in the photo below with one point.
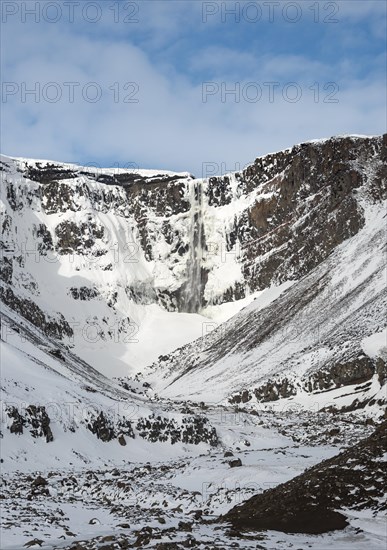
(193, 287)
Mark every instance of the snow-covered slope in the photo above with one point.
(57, 409)
(316, 336)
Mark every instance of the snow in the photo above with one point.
(375, 345)
(298, 348)
(122, 340)
(146, 173)
(113, 341)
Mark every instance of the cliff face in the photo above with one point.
(91, 252)
(200, 241)
(302, 205)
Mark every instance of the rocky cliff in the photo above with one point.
(87, 256)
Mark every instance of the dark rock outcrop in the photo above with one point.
(35, 419)
(312, 502)
(57, 328)
(193, 430)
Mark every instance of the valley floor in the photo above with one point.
(173, 504)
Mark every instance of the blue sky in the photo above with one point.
(168, 50)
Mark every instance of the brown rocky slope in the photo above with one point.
(313, 502)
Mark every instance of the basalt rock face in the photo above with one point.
(305, 207)
(274, 221)
(357, 372)
(313, 502)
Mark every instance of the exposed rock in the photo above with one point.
(73, 238)
(6, 269)
(122, 440)
(34, 542)
(40, 422)
(39, 482)
(185, 526)
(102, 428)
(310, 503)
(83, 293)
(356, 371)
(57, 328)
(36, 418)
(18, 421)
(235, 463)
(194, 430)
(381, 370)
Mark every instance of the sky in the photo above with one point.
(203, 87)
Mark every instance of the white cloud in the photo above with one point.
(170, 126)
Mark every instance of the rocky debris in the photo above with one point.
(39, 482)
(122, 440)
(311, 502)
(34, 542)
(193, 430)
(35, 418)
(184, 526)
(143, 537)
(235, 463)
(83, 293)
(142, 496)
(308, 427)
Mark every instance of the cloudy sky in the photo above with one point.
(187, 85)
